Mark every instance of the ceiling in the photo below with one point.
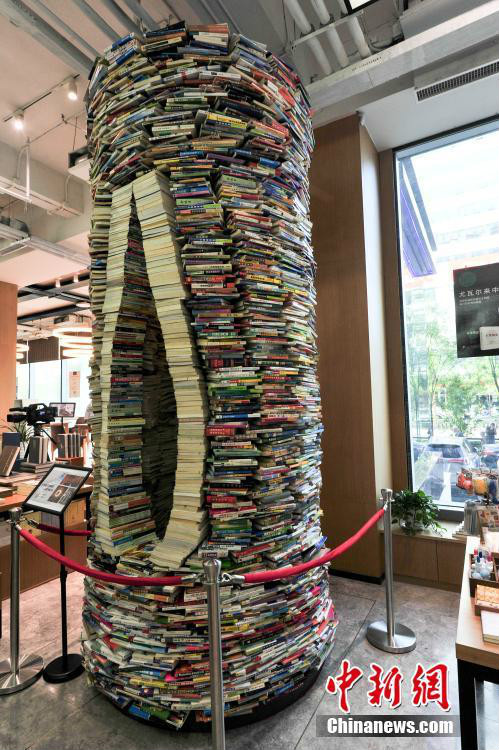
(41, 69)
(36, 265)
(55, 125)
(400, 119)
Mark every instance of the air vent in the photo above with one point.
(455, 82)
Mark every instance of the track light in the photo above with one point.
(75, 342)
(71, 328)
(76, 353)
(72, 90)
(18, 120)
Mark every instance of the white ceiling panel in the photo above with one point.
(35, 267)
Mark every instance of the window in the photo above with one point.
(448, 219)
(45, 381)
(55, 380)
(22, 382)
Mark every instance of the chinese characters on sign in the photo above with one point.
(427, 685)
(476, 299)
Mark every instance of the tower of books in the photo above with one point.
(207, 418)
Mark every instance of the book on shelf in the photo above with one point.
(8, 458)
(490, 626)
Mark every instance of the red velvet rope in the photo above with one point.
(99, 574)
(55, 530)
(263, 577)
(274, 575)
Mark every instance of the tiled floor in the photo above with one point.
(74, 716)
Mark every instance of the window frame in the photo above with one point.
(446, 513)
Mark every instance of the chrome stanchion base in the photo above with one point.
(404, 639)
(63, 669)
(30, 669)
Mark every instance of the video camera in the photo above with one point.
(34, 414)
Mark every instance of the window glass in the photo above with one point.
(448, 219)
(45, 382)
(22, 382)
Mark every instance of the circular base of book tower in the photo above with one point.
(263, 711)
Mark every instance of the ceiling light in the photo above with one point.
(72, 90)
(75, 339)
(76, 352)
(75, 343)
(18, 120)
(20, 355)
(22, 347)
(62, 330)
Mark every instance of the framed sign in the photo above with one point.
(57, 489)
(476, 300)
(65, 409)
(74, 384)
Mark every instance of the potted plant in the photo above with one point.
(415, 512)
(24, 430)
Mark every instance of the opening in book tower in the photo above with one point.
(207, 420)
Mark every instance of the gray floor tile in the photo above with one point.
(75, 717)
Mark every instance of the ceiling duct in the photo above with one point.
(15, 190)
(462, 71)
(21, 243)
(402, 66)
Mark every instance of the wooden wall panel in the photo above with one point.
(416, 557)
(450, 557)
(348, 469)
(37, 568)
(8, 337)
(44, 350)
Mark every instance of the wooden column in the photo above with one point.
(8, 337)
(350, 321)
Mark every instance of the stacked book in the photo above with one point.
(207, 417)
(38, 449)
(69, 444)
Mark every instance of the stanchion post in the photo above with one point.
(67, 666)
(17, 673)
(388, 545)
(212, 582)
(88, 512)
(390, 636)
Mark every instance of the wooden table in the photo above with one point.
(476, 659)
(15, 500)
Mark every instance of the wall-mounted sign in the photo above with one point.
(476, 298)
(74, 384)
